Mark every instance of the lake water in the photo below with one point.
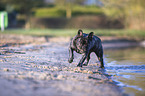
(127, 67)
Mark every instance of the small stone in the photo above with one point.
(45, 67)
(55, 68)
(6, 69)
(76, 69)
(110, 80)
(42, 77)
(60, 69)
(21, 77)
(48, 78)
(60, 77)
(85, 71)
(48, 66)
(90, 72)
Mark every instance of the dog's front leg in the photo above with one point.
(71, 55)
(82, 60)
(88, 58)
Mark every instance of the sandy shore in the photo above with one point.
(42, 69)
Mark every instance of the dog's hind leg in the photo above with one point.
(100, 57)
(102, 62)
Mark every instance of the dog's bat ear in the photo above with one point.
(90, 36)
(80, 32)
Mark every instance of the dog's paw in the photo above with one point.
(101, 67)
(85, 64)
(79, 65)
(70, 60)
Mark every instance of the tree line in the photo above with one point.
(132, 12)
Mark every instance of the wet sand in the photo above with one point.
(42, 69)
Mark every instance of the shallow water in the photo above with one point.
(127, 67)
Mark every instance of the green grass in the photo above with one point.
(132, 34)
(50, 12)
(61, 11)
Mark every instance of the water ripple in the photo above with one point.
(126, 67)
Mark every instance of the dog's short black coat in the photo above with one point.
(85, 44)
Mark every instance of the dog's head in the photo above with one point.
(82, 41)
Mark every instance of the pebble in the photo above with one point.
(85, 71)
(45, 67)
(1, 60)
(60, 69)
(90, 72)
(110, 80)
(60, 77)
(55, 68)
(42, 77)
(49, 67)
(6, 69)
(48, 78)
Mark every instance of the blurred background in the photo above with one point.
(108, 14)
(119, 23)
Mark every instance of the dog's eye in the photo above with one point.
(83, 41)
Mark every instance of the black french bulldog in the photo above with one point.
(85, 44)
